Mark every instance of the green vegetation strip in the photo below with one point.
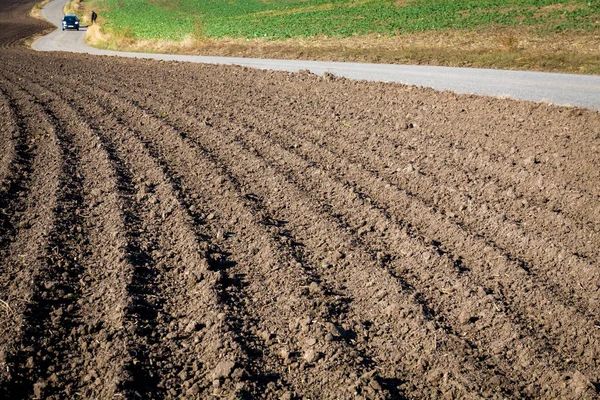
(280, 19)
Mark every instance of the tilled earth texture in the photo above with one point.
(173, 230)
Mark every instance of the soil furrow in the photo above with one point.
(170, 115)
(531, 190)
(8, 133)
(527, 248)
(19, 157)
(409, 122)
(480, 300)
(152, 326)
(206, 329)
(24, 253)
(487, 209)
(581, 271)
(207, 320)
(425, 171)
(571, 242)
(502, 297)
(314, 156)
(276, 191)
(371, 241)
(526, 323)
(337, 234)
(184, 124)
(175, 230)
(284, 268)
(505, 208)
(76, 295)
(538, 256)
(50, 313)
(143, 302)
(419, 142)
(384, 236)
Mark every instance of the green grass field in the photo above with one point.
(546, 35)
(282, 19)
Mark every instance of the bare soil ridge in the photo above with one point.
(184, 230)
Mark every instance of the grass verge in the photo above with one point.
(489, 46)
(36, 11)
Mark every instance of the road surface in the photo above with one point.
(560, 89)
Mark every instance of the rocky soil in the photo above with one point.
(173, 230)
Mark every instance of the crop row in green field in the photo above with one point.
(280, 19)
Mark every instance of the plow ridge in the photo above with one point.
(249, 200)
(16, 167)
(24, 245)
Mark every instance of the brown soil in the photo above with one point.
(173, 230)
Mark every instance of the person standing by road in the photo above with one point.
(94, 16)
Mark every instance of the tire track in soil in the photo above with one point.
(33, 197)
(226, 163)
(267, 335)
(312, 151)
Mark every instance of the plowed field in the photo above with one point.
(173, 230)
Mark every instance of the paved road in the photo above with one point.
(561, 89)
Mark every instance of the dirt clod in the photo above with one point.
(223, 369)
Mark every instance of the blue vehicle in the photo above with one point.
(70, 21)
